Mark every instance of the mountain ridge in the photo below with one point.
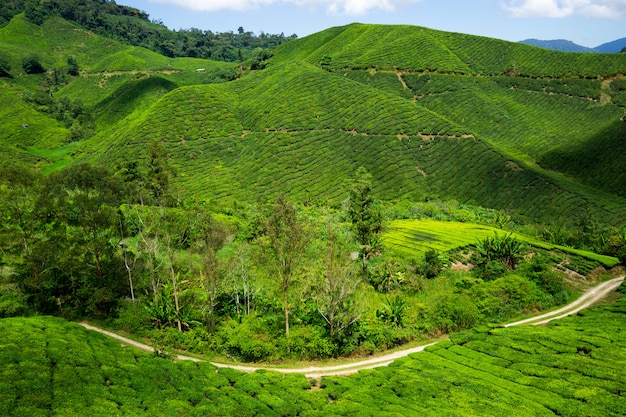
(565, 45)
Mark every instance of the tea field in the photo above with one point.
(413, 238)
(572, 367)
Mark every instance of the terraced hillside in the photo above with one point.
(430, 114)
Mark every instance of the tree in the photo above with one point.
(80, 205)
(240, 279)
(32, 64)
(494, 256)
(20, 231)
(335, 297)
(72, 66)
(287, 243)
(210, 238)
(433, 264)
(5, 67)
(365, 216)
(159, 174)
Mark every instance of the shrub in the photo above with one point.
(508, 296)
(456, 312)
(306, 343)
(550, 281)
(5, 67)
(248, 340)
(132, 317)
(621, 255)
(72, 66)
(433, 264)
(32, 65)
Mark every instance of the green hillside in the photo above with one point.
(50, 367)
(389, 98)
(417, 49)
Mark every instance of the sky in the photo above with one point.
(586, 22)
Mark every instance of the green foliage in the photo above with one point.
(621, 254)
(245, 340)
(31, 64)
(72, 66)
(391, 47)
(506, 250)
(508, 296)
(49, 366)
(393, 311)
(456, 312)
(133, 26)
(364, 215)
(5, 67)
(433, 263)
(286, 243)
(538, 271)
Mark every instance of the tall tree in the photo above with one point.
(365, 216)
(287, 243)
(210, 238)
(335, 296)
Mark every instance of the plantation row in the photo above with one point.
(50, 367)
(352, 46)
(235, 165)
(553, 131)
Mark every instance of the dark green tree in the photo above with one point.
(433, 264)
(286, 245)
(72, 66)
(80, 205)
(32, 64)
(5, 67)
(20, 233)
(158, 176)
(365, 215)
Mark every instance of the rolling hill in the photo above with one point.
(430, 114)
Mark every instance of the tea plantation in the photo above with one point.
(572, 367)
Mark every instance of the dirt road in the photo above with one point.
(590, 297)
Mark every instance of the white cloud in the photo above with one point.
(347, 7)
(608, 9)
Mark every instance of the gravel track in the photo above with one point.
(590, 297)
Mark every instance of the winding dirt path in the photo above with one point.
(590, 297)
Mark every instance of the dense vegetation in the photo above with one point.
(132, 26)
(50, 367)
(260, 282)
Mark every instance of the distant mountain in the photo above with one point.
(569, 46)
(558, 45)
(611, 47)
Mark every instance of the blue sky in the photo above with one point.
(586, 22)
